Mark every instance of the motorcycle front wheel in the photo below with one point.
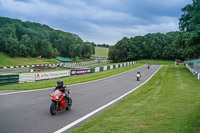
(53, 108)
(69, 104)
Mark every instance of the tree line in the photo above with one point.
(25, 39)
(183, 44)
(102, 45)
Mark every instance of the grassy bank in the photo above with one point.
(19, 61)
(101, 52)
(68, 80)
(168, 103)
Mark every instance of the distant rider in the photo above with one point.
(138, 72)
(148, 65)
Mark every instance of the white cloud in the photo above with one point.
(110, 34)
(100, 21)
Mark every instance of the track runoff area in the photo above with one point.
(28, 111)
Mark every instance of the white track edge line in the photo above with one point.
(103, 107)
(17, 92)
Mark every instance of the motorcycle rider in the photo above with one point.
(148, 65)
(62, 87)
(138, 72)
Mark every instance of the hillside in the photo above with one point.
(28, 39)
(17, 61)
(101, 52)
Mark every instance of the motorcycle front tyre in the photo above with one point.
(69, 104)
(53, 108)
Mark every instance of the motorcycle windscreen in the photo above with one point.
(56, 92)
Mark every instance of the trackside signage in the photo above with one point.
(80, 71)
(50, 75)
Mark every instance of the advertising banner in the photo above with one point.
(26, 77)
(51, 75)
(80, 71)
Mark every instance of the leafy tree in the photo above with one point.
(189, 20)
(189, 41)
(33, 39)
(87, 49)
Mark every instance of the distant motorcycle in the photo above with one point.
(138, 76)
(148, 65)
(59, 102)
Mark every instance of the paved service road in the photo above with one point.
(14, 70)
(28, 112)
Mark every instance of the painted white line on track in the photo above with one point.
(17, 92)
(102, 107)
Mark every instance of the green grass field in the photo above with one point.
(101, 52)
(168, 103)
(17, 61)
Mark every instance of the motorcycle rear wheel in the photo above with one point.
(53, 108)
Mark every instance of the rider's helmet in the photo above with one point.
(59, 83)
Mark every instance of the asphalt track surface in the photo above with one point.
(14, 70)
(28, 112)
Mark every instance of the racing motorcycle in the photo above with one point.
(138, 76)
(59, 102)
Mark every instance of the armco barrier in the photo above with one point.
(9, 79)
(111, 66)
(104, 68)
(93, 70)
(195, 73)
(198, 76)
(6, 67)
(26, 77)
(101, 68)
(108, 67)
(97, 69)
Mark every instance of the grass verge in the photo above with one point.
(168, 103)
(156, 62)
(68, 80)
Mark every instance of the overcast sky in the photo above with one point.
(99, 21)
